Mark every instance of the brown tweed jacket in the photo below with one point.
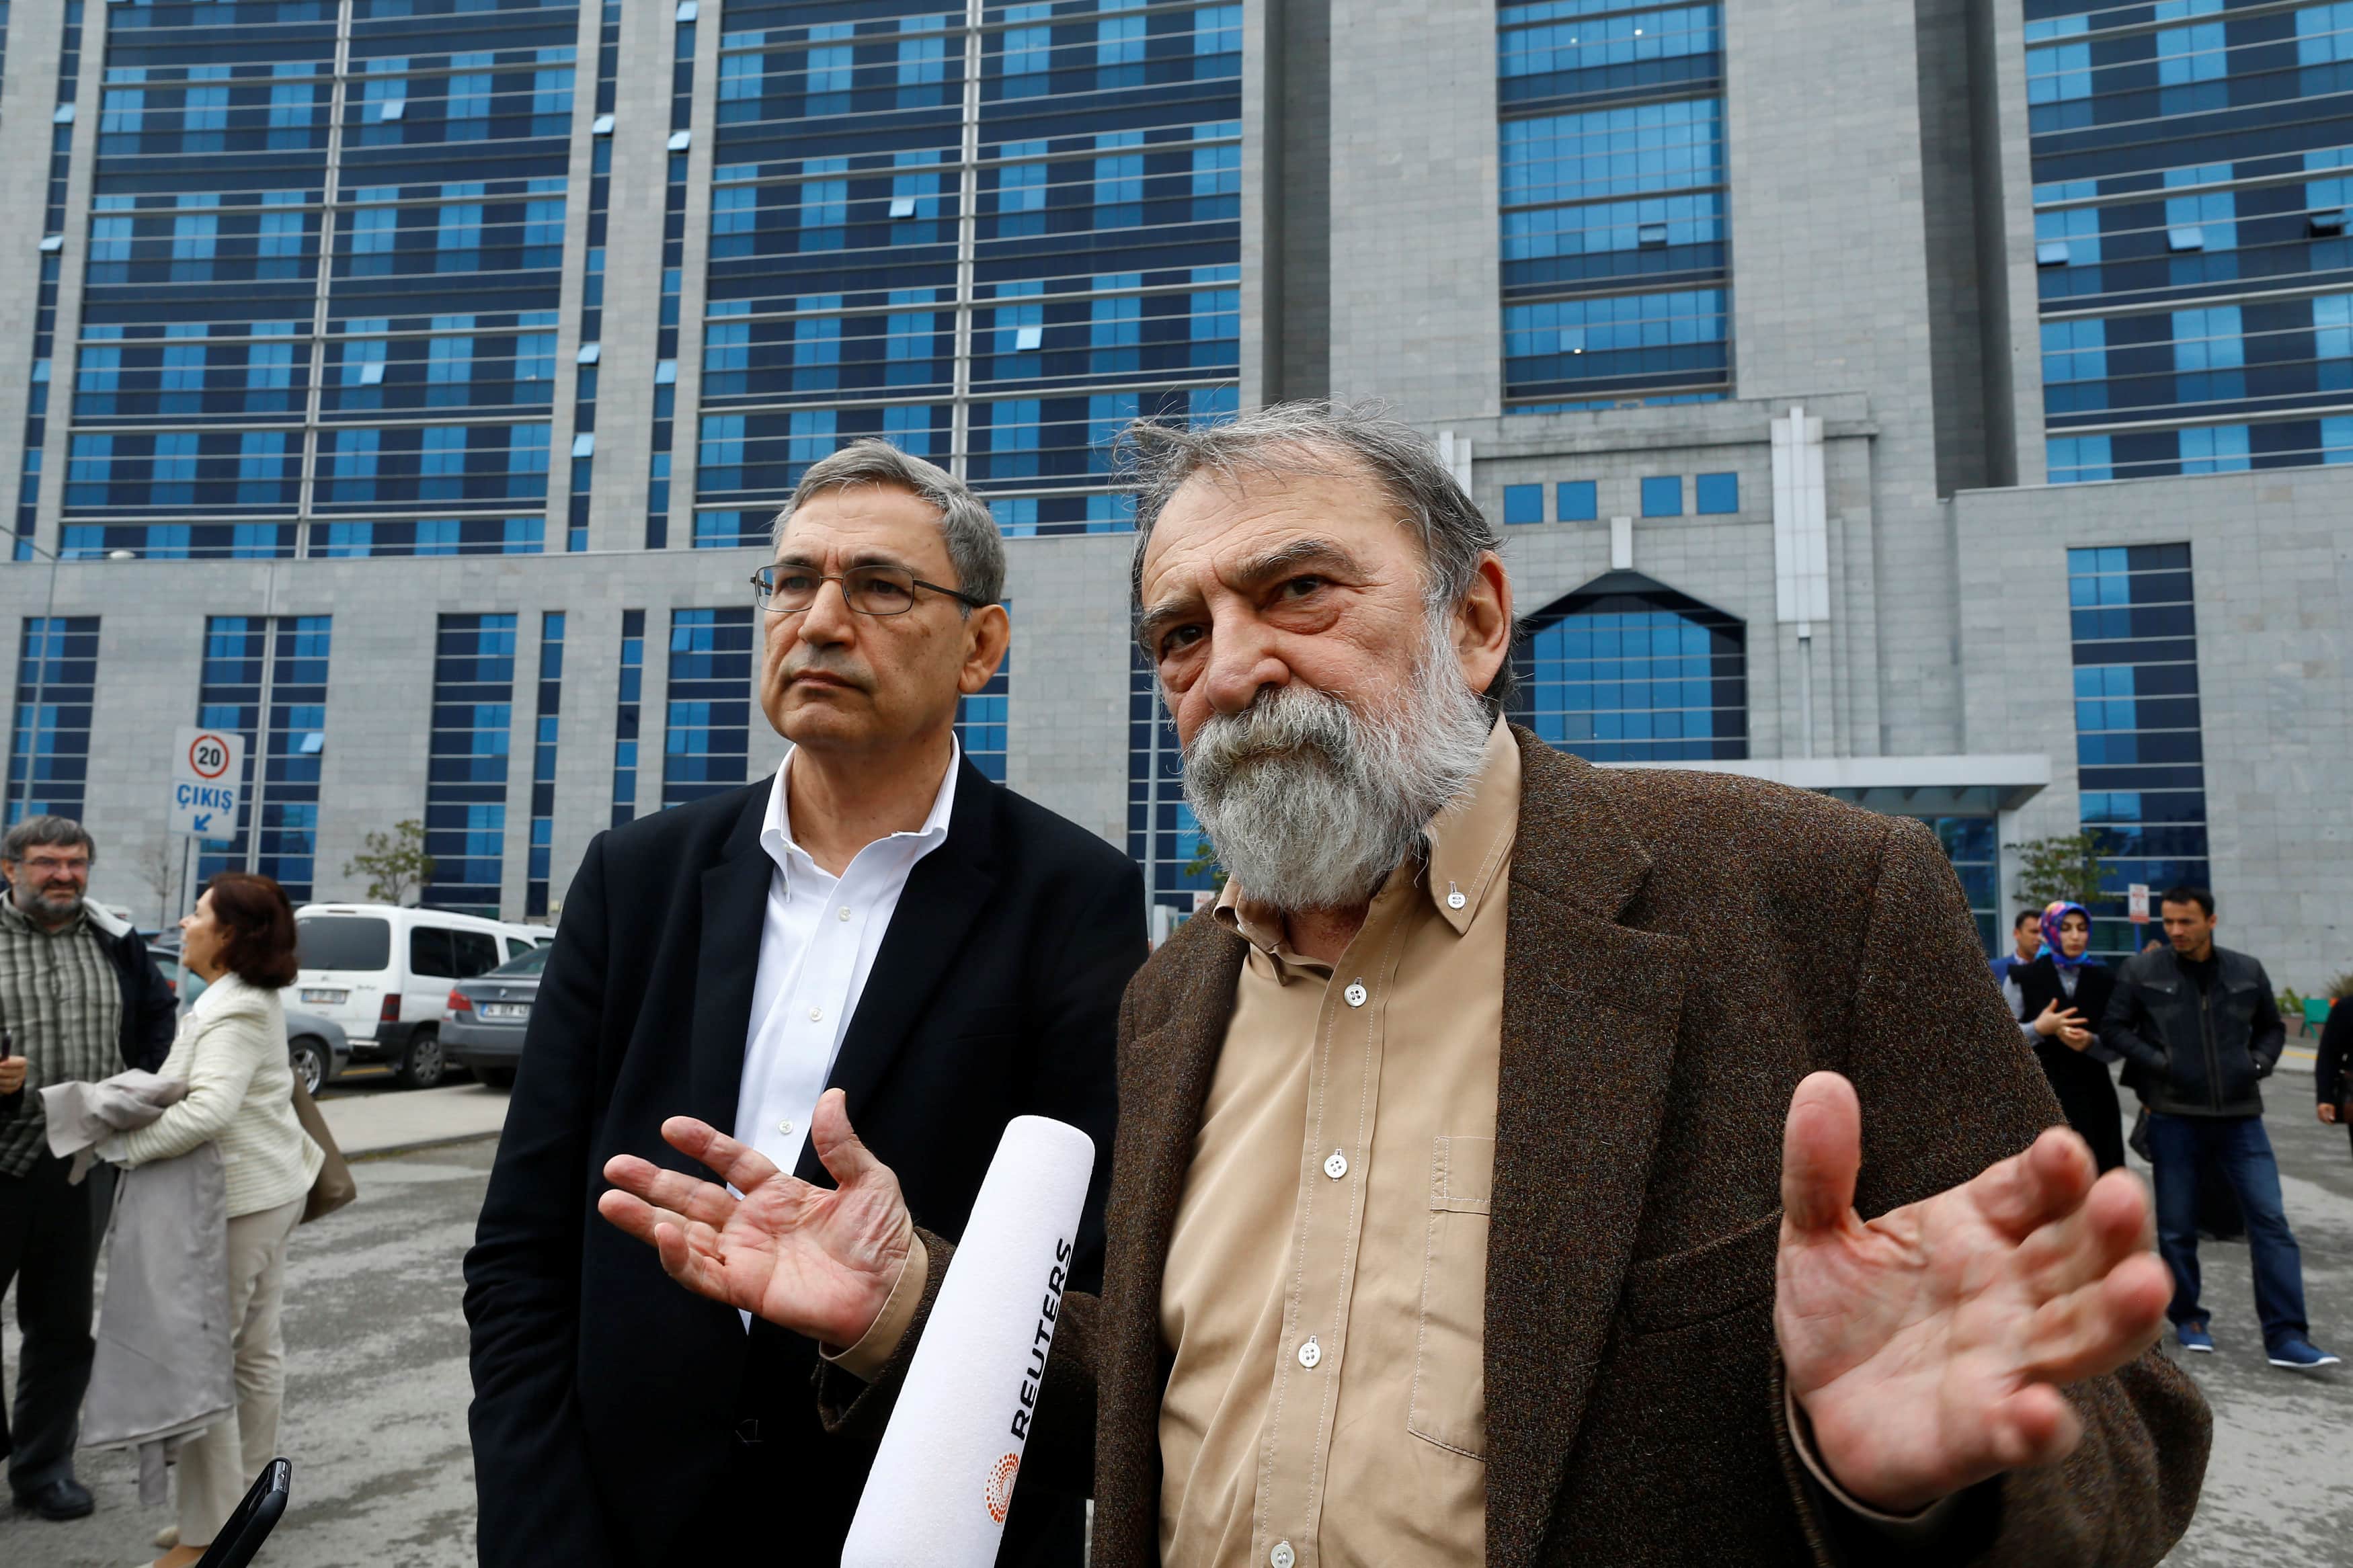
(1682, 949)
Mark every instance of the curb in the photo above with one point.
(388, 1151)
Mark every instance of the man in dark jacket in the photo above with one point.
(2201, 1024)
(79, 999)
(2332, 1075)
(878, 918)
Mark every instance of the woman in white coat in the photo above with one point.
(231, 1049)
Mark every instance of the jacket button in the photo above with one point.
(1356, 994)
(1310, 1353)
(1282, 1556)
(1336, 1167)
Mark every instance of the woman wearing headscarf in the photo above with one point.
(2062, 994)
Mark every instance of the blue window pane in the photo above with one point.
(1576, 501)
(2139, 745)
(277, 817)
(1663, 496)
(1523, 503)
(1634, 677)
(1718, 493)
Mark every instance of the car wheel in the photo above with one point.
(307, 1055)
(497, 1078)
(422, 1065)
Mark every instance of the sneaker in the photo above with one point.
(2302, 1355)
(2194, 1337)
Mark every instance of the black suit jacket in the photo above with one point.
(610, 1400)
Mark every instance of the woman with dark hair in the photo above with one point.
(231, 1049)
(2062, 995)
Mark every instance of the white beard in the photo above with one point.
(1312, 801)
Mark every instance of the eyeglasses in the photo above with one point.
(868, 590)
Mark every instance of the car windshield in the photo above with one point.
(343, 942)
(530, 963)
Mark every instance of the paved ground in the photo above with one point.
(372, 1115)
(377, 1388)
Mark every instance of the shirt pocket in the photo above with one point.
(1448, 1405)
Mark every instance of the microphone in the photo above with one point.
(942, 1480)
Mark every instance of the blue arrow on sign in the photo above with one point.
(203, 820)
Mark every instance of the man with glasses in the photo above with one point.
(79, 1000)
(878, 917)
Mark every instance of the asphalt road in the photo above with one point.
(376, 1389)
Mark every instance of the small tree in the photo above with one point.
(1204, 863)
(2064, 868)
(394, 863)
(158, 866)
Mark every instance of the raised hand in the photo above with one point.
(1928, 1346)
(817, 1262)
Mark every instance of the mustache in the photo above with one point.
(1279, 721)
(835, 669)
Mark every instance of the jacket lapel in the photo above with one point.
(944, 895)
(1164, 1083)
(1590, 1012)
(727, 962)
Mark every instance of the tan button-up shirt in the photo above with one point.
(1326, 1276)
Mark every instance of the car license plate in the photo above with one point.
(329, 998)
(508, 1012)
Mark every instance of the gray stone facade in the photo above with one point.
(1882, 280)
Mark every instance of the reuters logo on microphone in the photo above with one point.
(1000, 1486)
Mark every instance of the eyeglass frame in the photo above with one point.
(761, 589)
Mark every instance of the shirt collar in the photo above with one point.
(777, 830)
(1468, 840)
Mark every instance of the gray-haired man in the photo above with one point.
(878, 918)
(80, 1000)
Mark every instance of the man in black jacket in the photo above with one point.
(2201, 1024)
(878, 917)
(80, 1000)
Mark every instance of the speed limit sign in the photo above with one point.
(210, 754)
(207, 780)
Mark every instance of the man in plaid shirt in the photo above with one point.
(79, 1000)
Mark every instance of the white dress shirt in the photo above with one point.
(817, 947)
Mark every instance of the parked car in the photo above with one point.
(384, 973)
(317, 1048)
(489, 1015)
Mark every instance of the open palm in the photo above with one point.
(1928, 1347)
(818, 1262)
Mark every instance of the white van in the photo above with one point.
(384, 973)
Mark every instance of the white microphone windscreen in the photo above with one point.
(944, 1477)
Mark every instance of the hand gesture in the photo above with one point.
(12, 1073)
(2055, 1021)
(1928, 1346)
(817, 1262)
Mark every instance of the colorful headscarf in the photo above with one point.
(2050, 948)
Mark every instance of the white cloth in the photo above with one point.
(81, 1116)
(817, 947)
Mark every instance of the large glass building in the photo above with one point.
(1961, 443)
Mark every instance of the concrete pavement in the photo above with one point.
(375, 1409)
(373, 1116)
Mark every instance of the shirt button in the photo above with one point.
(1336, 1167)
(816, 1014)
(786, 1128)
(1455, 900)
(1356, 994)
(1310, 1353)
(1282, 1556)
(845, 913)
